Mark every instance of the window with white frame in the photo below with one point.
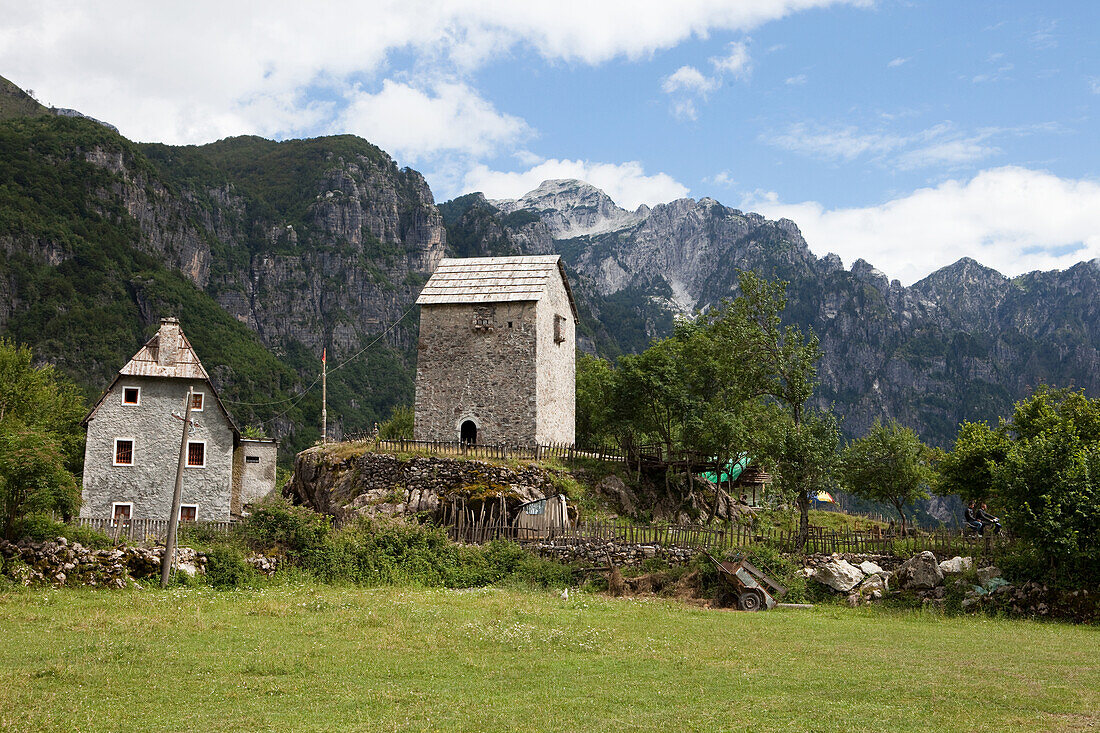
(131, 395)
(196, 401)
(124, 452)
(122, 511)
(196, 454)
(189, 512)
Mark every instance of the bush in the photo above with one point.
(43, 528)
(300, 535)
(226, 568)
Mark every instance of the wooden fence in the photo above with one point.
(146, 531)
(944, 543)
(560, 451)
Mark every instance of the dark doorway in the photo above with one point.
(468, 433)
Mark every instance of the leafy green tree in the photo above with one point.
(779, 364)
(595, 379)
(969, 470)
(41, 399)
(890, 464)
(401, 424)
(33, 477)
(1049, 481)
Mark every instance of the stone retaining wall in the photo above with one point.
(597, 552)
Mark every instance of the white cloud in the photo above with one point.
(721, 178)
(795, 81)
(1094, 84)
(196, 71)
(894, 63)
(688, 85)
(735, 63)
(626, 183)
(939, 145)
(414, 125)
(688, 79)
(1012, 219)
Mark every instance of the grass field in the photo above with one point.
(315, 658)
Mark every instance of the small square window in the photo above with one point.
(509, 324)
(196, 401)
(559, 336)
(196, 455)
(122, 511)
(131, 396)
(251, 459)
(189, 512)
(124, 452)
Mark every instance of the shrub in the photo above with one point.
(42, 528)
(226, 568)
(300, 535)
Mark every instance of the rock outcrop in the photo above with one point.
(369, 483)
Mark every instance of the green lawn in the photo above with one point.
(317, 658)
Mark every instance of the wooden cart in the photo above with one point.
(749, 584)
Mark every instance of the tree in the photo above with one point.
(41, 399)
(401, 424)
(595, 378)
(777, 363)
(33, 477)
(41, 439)
(1049, 480)
(970, 469)
(890, 464)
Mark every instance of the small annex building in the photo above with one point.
(496, 361)
(133, 444)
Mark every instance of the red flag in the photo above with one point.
(324, 353)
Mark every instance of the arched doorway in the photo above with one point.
(468, 433)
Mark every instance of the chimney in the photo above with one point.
(168, 341)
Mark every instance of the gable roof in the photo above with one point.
(494, 280)
(168, 354)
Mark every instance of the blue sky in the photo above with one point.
(907, 132)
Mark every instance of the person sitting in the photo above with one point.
(971, 520)
(988, 520)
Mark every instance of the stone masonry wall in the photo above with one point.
(556, 368)
(148, 483)
(486, 375)
(384, 483)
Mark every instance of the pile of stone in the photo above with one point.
(993, 594)
(869, 581)
(264, 565)
(597, 552)
(63, 563)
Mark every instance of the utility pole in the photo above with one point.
(177, 493)
(324, 396)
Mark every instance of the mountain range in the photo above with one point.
(270, 251)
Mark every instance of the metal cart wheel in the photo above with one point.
(751, 600)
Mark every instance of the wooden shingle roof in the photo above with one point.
(494, 280)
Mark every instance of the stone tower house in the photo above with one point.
(132, 452)
(497, 352)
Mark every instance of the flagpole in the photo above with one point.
(324, 396)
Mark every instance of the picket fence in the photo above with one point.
(146, 531)
(944, 543)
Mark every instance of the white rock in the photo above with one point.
(839, 575)
(920, 572)
(956, 565)
(987, 574)
(870, 568)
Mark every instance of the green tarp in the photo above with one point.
(730, 472)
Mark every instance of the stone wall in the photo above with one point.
(253, 481)
(384, 483)
(148, 483)
(556, 367)
(597, 552)
(486, 374)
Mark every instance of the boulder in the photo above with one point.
(919, 572)
(873, 584)
(870, 568)
(987, 574)
(839, 575)
(956, 565)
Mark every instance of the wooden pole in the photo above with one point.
(177, 494)
(324, 396)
